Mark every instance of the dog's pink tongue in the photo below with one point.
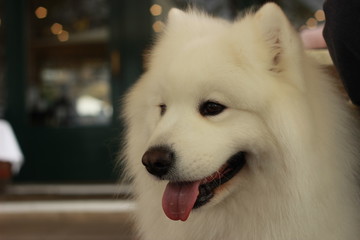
(179, 199)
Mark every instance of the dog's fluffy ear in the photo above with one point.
(274, 29)
(280, 37)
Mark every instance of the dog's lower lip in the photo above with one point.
(227, 172)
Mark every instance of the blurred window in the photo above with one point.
(69, 69)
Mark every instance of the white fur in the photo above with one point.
(300, 179)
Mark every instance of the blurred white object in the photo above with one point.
(313, 38)
(9, 147)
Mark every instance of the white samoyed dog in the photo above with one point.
(237, 133)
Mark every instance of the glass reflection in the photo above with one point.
(72, 94)
(69, 72)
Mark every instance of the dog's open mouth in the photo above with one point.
(181, 197)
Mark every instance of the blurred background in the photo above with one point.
(64, 65)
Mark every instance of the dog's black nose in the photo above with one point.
(158, 160)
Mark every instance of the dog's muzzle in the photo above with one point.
(180, 197)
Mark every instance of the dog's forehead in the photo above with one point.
(197, 66)
(194, 60)
(198, 70)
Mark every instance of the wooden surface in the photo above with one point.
(66, 212)
(66, 226)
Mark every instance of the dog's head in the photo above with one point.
(204, 117)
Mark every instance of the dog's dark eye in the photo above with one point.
(162, 109)
(211, 108)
